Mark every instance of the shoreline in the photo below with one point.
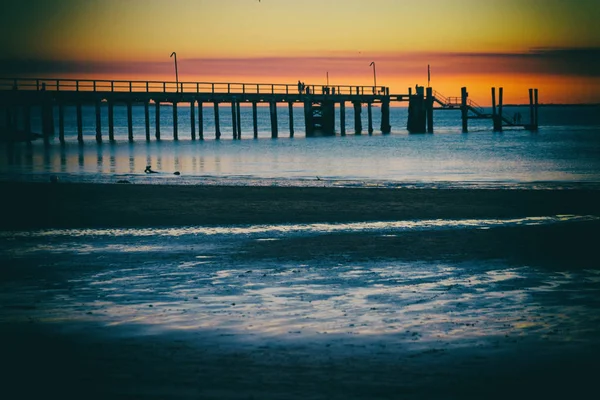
(28, 205)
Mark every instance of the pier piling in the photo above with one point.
(254, 120)
(157, 119)
(200, 120)
(98, 123)
(193, 119)
(234, 120)
(370, 118)
(217, 121)
(239, 119)
(147, 119)
(130, 121)
(429, 109)
(464, 98)
(79, 123)
(274, 128)
(357, 118)
(111, 122)
(291, 113)
(342, 118)
(500, 106)
(175, 122)
(385, 117)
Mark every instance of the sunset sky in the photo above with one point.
(553, 45)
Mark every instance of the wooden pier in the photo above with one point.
(19, 96)
(318, 102)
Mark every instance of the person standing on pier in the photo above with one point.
(299, 87)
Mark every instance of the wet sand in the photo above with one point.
(38, 205)
(507, 312)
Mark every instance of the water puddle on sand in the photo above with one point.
(185, 280)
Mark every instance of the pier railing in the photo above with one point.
(85, 85)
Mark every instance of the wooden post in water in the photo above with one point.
(175, 122)
(130, 121)
(536, 105)
(464, 96)
(385, 117)
(254, 120)
(370, 118)
(496, 122)
(217, 121)
(200, 120)
(234, 119)
(61, 123)
(343, 118)
(98, 123)
(47, 120)
(79, 123)
(147, 119)
(429, 109)
(274, 128)
(357, 118)
(193, 119)
(111, 121)
(157, 118)
(500, 106)
(291, 112)
(239, 119)
(308, 118)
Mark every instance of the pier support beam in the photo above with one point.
(61, 123)
(536, 109)
(193, 119)
(464, 96)
(370, 118)
(147, 119)
(385, 117)
(273, 111)
(500, 106)
(98, 123)
(239, 119)
(111, 121)
(130, 121)
(217, 121)
(234, 120)
(417, 113)
(157, 119)
(343, 118)
(254, 120)
(175, 122)
(357, 118)
(200, 120)
(79, 123)
(291, 112)
(497, 122)
(429, 109)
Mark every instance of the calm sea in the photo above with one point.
(565, 152)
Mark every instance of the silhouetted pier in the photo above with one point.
(19, 96)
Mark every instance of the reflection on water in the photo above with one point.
(558, 153)
(286, 230)
(172, 281)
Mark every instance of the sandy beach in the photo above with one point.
(105, 308)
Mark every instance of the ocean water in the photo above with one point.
(564, 153)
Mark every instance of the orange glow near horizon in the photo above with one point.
(552, 45)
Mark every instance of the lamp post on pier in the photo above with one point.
(374, 76)
(176, 71)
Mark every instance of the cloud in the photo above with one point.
(580, 62)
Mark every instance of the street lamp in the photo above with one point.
(374, 75)
(176, 72)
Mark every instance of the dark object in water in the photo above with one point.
(53, 179)
(149, 170)
(123, 181)
(177, 173)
